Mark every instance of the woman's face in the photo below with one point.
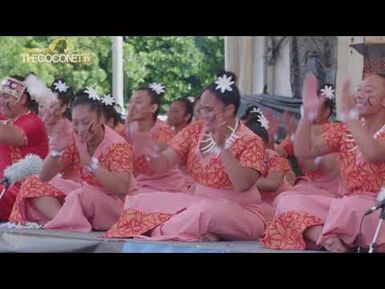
(370, 95)
(9, 105)
(213, 111)
(140, 106)
(51, 112)
(86, 122)
(177, 114)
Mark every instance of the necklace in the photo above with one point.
(212, 146)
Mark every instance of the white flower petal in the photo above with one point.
(108, 99)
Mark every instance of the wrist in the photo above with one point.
(55, 153)
(93, 165)
(308, 114)
(350, 115)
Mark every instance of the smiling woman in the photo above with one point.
(100, 161)
(224, 158)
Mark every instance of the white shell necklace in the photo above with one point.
(212, 146)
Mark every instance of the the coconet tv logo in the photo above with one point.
(52, 54)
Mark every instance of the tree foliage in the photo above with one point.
(183, 64)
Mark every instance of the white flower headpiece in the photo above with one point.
(256, 110)
(263, 121)
(190, 99)
(92, 93)
(157, 87)
(61, 86)
(224, 83)
(107, 99)
(328, 92)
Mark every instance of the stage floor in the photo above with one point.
(53, 241)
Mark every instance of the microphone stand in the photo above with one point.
(373, 243)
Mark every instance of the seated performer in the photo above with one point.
(333, 220)
(21, 132)
(102, 161)
(278, 167)
(225, 160)
(142, 120)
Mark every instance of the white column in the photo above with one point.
(259, 70)
(117, 69)
(349, 64)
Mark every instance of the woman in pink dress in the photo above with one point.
(333, 220)
(102, 161)
(278, 167)
(225, 159)
(142, 120)
(180, 115)
(21, 133)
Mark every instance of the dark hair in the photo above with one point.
(189, 106)
(110, 112)
(251, 113)
(255, 126)
(82, 98)
(31, 104)
(155, 98)
(329, 103)
(226, 97)
(65, 98)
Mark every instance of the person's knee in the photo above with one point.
(351, 204)
(209, 207)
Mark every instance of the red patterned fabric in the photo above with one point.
(135, 223)
(248, 149)
(357, 175)
(288, 146)
(286, 230)
(31, 126)
(115, 157)
(276, 163)
(160, 133)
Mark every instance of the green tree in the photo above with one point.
(183, 64)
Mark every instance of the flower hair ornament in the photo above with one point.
(256, 110)
(92, 93)
(12, 86)
(191, 99)
(157, 87)
(224, 83)
(108, 100)
(328, 92)
(60, 86)
(263, 121)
